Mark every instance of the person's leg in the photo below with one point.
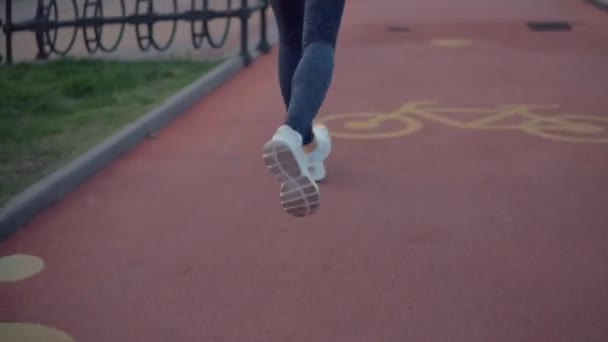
(304, 90)
(313, 75)
(289, 16)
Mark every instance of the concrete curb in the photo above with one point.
(23, 207)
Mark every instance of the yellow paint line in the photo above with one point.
(452, 43)
(19, 267)
(28, 332)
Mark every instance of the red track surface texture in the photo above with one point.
(460, 231)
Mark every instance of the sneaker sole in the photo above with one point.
(302, 197)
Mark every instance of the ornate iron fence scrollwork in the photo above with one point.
(202, 32)
(89, 16)
(93, 33)
(47, 13)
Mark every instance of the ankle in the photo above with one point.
(309, 148)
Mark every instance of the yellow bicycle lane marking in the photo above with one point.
(29, 332)
(19, 267)
(452, 42)
(540, 120)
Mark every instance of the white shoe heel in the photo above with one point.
(286, 161)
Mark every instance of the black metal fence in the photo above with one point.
(89, 17)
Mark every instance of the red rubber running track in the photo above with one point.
(463, 230)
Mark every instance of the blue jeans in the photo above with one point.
(308, 31)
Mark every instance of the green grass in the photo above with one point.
(51, 112)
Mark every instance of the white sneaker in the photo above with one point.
(316, 158)
(286, 160)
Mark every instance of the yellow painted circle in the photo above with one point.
(364, 125)
(571, 128)
(28, 332)
(19, 266)
(452, 43)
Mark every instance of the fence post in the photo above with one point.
(1, 32)
(8, 31)
(39, 33)
(245, 14)
(263, 46)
